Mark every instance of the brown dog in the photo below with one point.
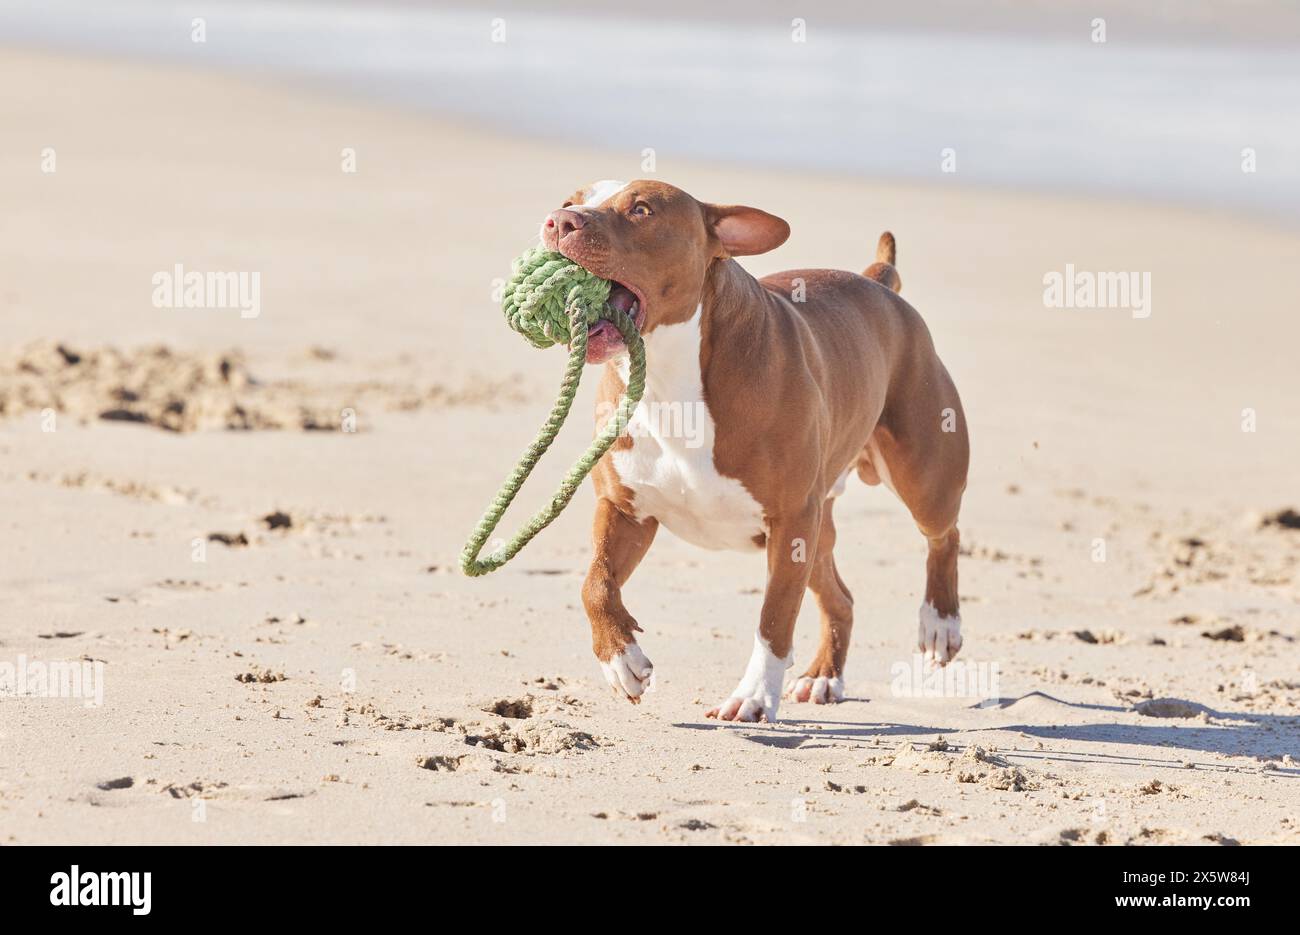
(761, 397)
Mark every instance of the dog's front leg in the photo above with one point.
(619, 543)
(791, 547)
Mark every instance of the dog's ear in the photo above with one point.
(742, 231)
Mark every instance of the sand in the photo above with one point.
(324, 673)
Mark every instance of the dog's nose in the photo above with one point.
(564, 222)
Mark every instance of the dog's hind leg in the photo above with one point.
(939, 627)
(930, 478)
(823, 682)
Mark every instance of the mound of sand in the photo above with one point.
(156, 386)
(974, 764)
(182, 391)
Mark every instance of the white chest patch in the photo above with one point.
(670, 466)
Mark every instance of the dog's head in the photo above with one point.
(655, 242)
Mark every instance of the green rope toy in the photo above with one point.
(552, 300)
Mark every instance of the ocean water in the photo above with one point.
(1167, 123)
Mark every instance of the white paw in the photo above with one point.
(629, 673)
(758, 695)
(752, 709)
(939, 638)
(819, 690)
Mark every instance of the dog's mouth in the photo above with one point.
(603, 340)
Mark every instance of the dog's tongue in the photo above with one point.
(621, 298)
(603, 339)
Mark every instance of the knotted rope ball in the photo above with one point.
(550, 300)
(542, 293)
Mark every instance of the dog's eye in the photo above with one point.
(641, 210)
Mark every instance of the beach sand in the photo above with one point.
(325, 674)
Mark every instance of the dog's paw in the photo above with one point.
(630, 673)
(819, 689)
(758, 695)
(752, 708)
(938, 638)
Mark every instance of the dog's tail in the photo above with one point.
(883, 271)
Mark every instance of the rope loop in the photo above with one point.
(551, 300)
